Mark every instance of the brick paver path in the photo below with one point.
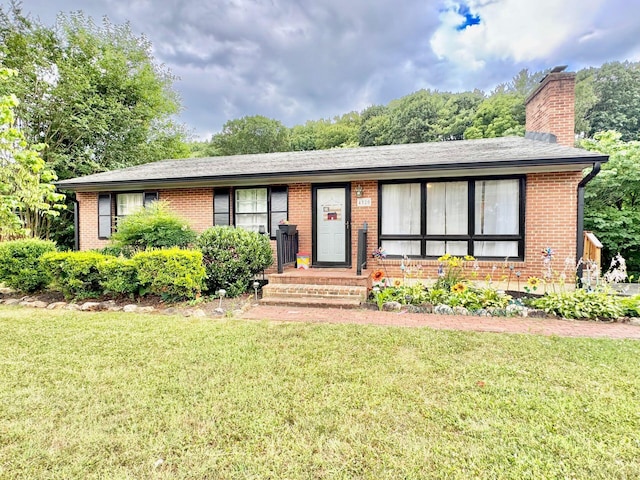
(538, 326)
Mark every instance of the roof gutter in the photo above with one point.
(580, 224)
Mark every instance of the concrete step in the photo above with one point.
(295, 290)
(316, 302)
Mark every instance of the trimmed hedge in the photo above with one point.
(75, 274)
(119, 276)
(173, 273)
(20, 266)
(232, 256)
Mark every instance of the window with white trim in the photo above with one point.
(261, 209)
(483, 218)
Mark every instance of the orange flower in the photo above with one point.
(397, 283)
(458, 288)
(378, 275)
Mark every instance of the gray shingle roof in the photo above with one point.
(494, 153)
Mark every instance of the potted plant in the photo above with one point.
(287, 227)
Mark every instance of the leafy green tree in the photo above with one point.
(616, 99)
(255, 134)
(93, 94)
(27, 195)
(612, 199)
(457, 113)
(414, 118)
(499, 115)
(324, 133)
(375, 126)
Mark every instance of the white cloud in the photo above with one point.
(512, 30)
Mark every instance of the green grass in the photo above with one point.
(106, 395)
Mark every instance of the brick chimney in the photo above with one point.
(551, 107)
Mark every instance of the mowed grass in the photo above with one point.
(103, 395)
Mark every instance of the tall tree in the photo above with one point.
(255, 134)
(93, 94)
(612, 199)
(616, 88)
(27, 197)
(499, 115)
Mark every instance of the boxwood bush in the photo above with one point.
(75, 274)
(119, 276)
(232, 256)
(20, 266)
(154, 226)
(174, 274)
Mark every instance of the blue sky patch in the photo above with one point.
(469, 18)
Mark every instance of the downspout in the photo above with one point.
(580, 225)
(76, 225)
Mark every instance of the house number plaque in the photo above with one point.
(364, 202)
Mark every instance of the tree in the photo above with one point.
(322, 134)
(413, 118)
(256, 134)
(612, 199)
(27, 196)
(375, 126)
(616, 99)
(499, 115)
(92, 94)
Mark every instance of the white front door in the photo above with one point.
(332, 225)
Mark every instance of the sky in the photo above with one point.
(299, 60)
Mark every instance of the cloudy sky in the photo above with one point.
(298, 60)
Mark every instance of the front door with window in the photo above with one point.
(332, 225)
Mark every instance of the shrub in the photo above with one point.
(232, 256)
(117, 251)
(173, 274)
(75, 274)
(154, 226)
(20, 266)
(631, 306)
(119, 275)
(581, 304)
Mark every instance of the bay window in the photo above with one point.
(483, 218)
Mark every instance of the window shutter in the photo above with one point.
(104, 215)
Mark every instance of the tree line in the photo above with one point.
(607, 98)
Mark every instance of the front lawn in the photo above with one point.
(104, 395)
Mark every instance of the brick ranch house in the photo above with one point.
(491, 198)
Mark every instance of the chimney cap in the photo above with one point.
(556, 69)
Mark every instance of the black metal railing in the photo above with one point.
(286, 248)
(362, 250)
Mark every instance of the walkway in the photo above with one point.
(537, 326)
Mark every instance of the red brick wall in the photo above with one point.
(195, 205)
(88, 208)
(550, 221)
(551, 107)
